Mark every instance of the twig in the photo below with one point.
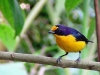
(97, 12)
(34, 69)
(50, 61)
(31, 48)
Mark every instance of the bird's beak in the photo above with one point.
(51, 32)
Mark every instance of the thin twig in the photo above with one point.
(31, 48)
(50, 61)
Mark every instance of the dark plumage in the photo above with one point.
(64, 31)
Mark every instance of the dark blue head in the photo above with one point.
(62, 30)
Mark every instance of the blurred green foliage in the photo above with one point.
(79, 15)
(12, 12)
(8, 41)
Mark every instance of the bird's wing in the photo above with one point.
(80, 37)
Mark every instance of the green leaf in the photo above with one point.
(91, 29)
(12, 12)
(7, 36)
(70, 4)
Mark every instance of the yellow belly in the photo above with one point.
(69, 43)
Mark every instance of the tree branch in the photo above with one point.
(49, 61)
(97, 13)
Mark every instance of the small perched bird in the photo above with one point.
(69, 39)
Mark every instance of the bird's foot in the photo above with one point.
(78, 60)
(58, 60)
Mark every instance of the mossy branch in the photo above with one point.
(50, 61)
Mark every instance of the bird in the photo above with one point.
(69, 39)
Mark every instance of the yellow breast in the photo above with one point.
(69, 43)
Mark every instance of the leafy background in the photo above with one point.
(24, 26)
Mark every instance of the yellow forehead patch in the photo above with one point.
(54, 28)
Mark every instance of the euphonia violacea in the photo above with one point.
(69, 39)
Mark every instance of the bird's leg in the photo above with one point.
(78, 60)
(58, 60)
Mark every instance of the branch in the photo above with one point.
(50, 61)
(97, 12)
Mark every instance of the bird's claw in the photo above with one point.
(78, 60)
(58, 60)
